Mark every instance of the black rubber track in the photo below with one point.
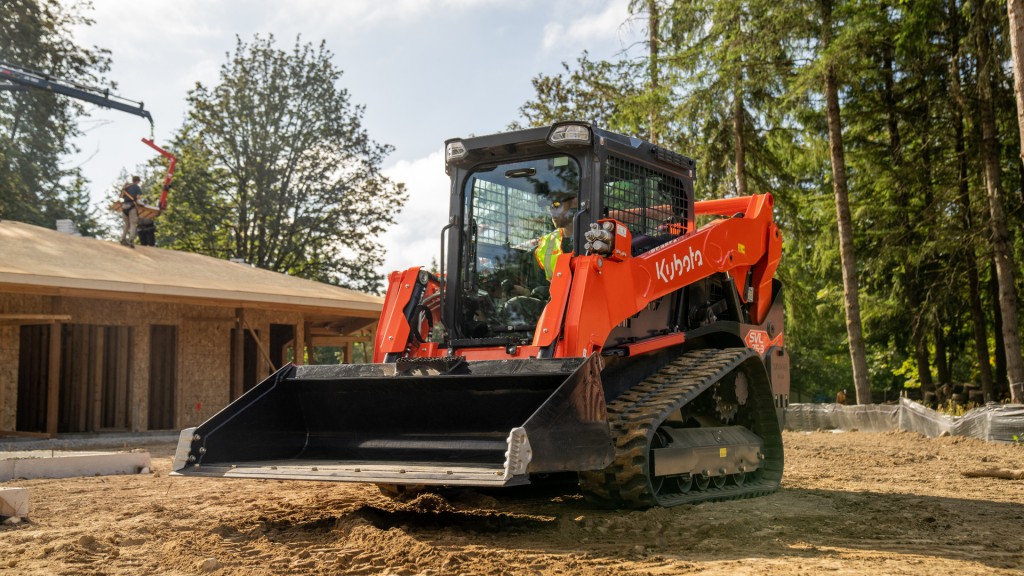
(636, 414)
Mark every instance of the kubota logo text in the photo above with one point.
(667, 270)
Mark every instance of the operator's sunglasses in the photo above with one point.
(559, 203)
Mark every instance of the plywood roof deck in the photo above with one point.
(43, 261)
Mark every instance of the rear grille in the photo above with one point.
(643, 199)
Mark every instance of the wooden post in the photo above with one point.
(238, 343)
(263, 364)
(300, 343)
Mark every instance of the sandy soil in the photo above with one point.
(850, 503)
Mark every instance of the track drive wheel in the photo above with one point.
(710, 391)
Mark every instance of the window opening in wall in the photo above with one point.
(163, 376)
(115, 383)
(33, 360)
(282, 342)
(81, 366)
(93, 378)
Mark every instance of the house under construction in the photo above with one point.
(97, 337)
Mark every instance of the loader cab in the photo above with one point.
(506, 207)
(511, 191)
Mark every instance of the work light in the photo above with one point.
(569, 134)
(454, 150)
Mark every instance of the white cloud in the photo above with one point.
(416, 239)
(146, 33)
(357, 14)
(588, 29)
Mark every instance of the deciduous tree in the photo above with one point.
(279, 171)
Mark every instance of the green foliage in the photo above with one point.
(951, 408)
(362, 353)
(592, 91)
(276, 169)
(908, 75)
(37, 127)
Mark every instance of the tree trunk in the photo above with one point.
(652, 64)
(941, 357)
(858, 355)
(978, 324)
(966, 214)
(1002, 251)
(739, 110)
(1000, 380)
(1015, 10)
(970, 260)
(739, 128)
(917, 336)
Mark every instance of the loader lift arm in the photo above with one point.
(169, 176)
(18, 77)
(600, 291)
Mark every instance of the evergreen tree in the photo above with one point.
(985, 30)
(881, 129)
(592, 91)
(37, 127)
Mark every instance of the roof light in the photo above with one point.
(454, 150)
(569, 134)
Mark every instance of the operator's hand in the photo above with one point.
(510, 289)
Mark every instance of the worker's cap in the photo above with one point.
(555, 199)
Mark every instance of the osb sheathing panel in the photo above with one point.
(106, 312)
(9, 340)
(204, 375)
(204, 382)
(139, 394)
(17, 303)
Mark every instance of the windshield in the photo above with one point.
(512, 210)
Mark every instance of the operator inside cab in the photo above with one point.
(562, 207)
(519, 222)
(526, 306)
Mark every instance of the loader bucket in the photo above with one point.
(484, 423)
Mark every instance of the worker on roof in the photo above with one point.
(129, 198)
(147, 231)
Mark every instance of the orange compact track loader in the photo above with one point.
(590, 317)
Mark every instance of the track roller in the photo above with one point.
(675, 445)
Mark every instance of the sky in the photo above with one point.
(425, 71)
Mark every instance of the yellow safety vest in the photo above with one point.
(549, 247)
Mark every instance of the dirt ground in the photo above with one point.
(850, 503)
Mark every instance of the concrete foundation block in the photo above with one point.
(13, 502)
(55, 464)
